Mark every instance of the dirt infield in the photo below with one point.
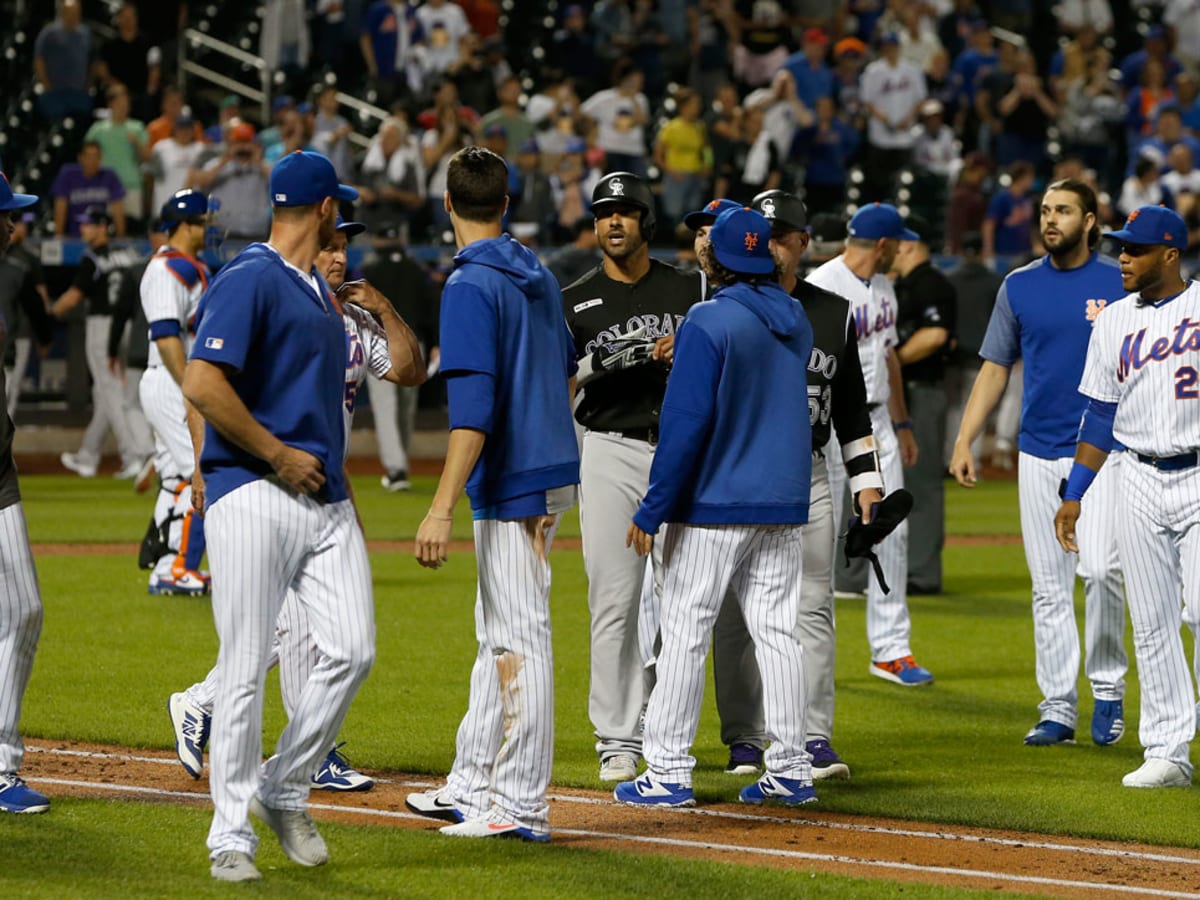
(802, 840)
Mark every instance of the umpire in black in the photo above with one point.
(623, 315)
(925, 323)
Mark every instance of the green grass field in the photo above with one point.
(110, 655)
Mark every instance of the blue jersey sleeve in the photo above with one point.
(471, 397)
(1002, 342)
(469, 329)
(687, 413)
(231, 316)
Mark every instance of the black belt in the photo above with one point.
(1170, 463)
(649, 434)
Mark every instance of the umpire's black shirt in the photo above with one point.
(599, 309)
(925, 298)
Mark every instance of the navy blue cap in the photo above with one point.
(185, 206)
(281, 103)
(708, 215)
(304, 177)
(888, 37)
(880, 220)
(10, 200)
(1156, 32)
(530, 145)
(741, 241)
(575, 144)
(1153, 225)
(350, 229)
(94, 215)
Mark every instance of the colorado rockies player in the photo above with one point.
(623, 317)
(837, 395)
(20, 601)
(1043, 315)
(267, 372)
(387, 352)
(171, 289)
(732, 476)
(508, 363)
(874, 235)
(1140, 379)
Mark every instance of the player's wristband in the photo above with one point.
(1078, 482)
(900, 426)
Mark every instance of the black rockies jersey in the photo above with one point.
(599, 309)
(104, 275)
(836, 391)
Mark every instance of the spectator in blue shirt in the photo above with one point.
(1006, 227)
(1154, 47)
(1189, 103)
(977, 60)
(814, 79)
(1168, 132)
(827, 147)
(390, 32)
(61, 54)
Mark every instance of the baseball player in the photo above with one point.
(388, 351)
(23, 305)
(873, 239)
(98, 281)
(508, 361)
(836, 396)
(267, 373)
(732, 476)
(20, 601)
(1043, 315)
(171, 288)
(1140, 379)
(623, 317)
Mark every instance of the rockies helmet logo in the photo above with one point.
(751, 241)
(768, 208)
(617, 188)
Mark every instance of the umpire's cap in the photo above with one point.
(625, 187)
(186, 206)
(785, 212)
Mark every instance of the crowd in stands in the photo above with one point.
(958, 109)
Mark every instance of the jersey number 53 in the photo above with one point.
(819, 402)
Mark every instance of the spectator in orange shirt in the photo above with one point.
(172, 108)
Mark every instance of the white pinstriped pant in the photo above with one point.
(504, 750)
(1052, 572)
(761, 565)
(1159, 538)
(174, 460)
(889, 627)
(20, 627)
(262, 540)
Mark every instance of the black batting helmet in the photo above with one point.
(625, 187)
(782, 209)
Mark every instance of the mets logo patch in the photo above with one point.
(751, 241)
(1094, 307)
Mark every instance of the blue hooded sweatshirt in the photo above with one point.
(502, 319)
(735, 442)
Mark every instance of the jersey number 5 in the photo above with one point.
(1185, 383)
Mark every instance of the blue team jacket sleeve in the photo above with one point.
(231, 317)
(469, 330)
(687, 415)
(472, 400)
(1002, 342)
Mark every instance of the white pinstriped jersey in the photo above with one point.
(366, 352)
(167, 296)
(1146, 359)
(873, 307)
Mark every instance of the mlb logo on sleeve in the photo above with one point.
(214, 343)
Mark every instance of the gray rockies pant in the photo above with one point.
(393, 407)
(735, 670)
(614, 475)
(108, 400)
(14, 377)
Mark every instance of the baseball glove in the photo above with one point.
(861, 539)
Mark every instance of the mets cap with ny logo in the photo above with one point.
(741, 240)
(1153, 225)
(304, 177)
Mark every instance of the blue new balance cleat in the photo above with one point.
(1047, 734)
(649, 791)
(336, 774)
(773, 789)
(1108, 722)
(18, 797)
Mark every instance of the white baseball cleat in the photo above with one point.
(1157, 773)
(233, 865)
(297, 834)
(618, 767)
(82, 469)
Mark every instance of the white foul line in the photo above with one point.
(678, 842)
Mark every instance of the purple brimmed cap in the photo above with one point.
(303, 177)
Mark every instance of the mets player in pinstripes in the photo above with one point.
(732, 476)
(171, 288)
(1043, 316)
(510, 365)
(267, 373)
(874, 236)
(1142, 381)
(387, 349)
(20, 599)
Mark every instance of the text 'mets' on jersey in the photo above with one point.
(1146, 359)
(366, 353)
(282, 344)
(1043, 315)
(873, 309)
(171, 288)
(599, 309)
(836, 392)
